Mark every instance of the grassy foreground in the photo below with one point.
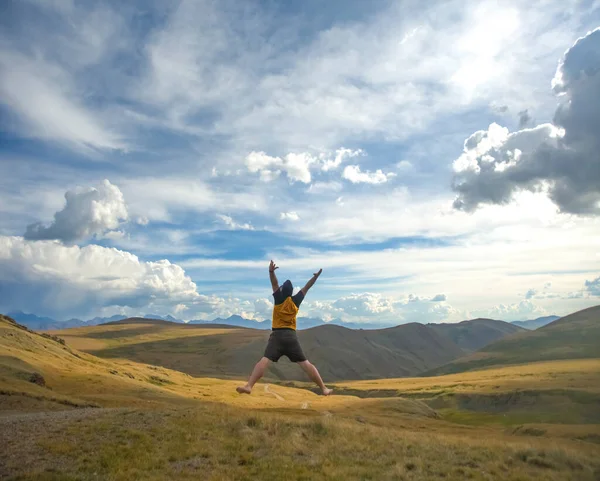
(216, 442)
(68, 415)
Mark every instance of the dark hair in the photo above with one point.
(287, 288)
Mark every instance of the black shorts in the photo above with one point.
(284, 342)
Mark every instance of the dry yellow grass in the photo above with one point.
(169, 425)
(566, 374)
(95, 338)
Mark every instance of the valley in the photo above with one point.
(70, 411)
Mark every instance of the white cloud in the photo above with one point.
(293, 216)
(44, 101)
(49, 79)
(520, 311)
(354, 175)
(114, 235)
(489, 34)
(161, 199)
(258, 161)
(366, 304)
(530, 293)
(405, 166)
(295, 165)
(179, 308)
(593, 287)
(47, 276)
(559, 159)
(369, 306)
(87, 212)
(341, 155)
(263, 308)
(324, 187)
(229, 222)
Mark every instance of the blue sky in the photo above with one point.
(439, 162)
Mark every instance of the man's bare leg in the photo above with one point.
(257, 373)
(313, 373)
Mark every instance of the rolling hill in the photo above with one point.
(576, 336)
(477, 333)
(66, 414)
(340, 353)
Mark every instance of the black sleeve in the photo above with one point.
(298, 298)
(278, 296)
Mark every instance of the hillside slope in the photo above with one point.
(576, 336)
(149, 422)
(42, 372)
(477, 333)
(533, 324)
(225, 351)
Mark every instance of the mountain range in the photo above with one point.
(576, 336)
(42, 323)
(533, 324)
(220, 350)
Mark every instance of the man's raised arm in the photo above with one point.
(273, 277)
(311, 282)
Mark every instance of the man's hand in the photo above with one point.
(311, 282)
(273, 277)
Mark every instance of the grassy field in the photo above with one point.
(117, 419)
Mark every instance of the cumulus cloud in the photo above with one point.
(341, 155)
(374, 306)
(561, 158)
(180, 308)
(593, 287)
(87, 213)
(354, 175)
(47, 276)
(544, 293)
(263, 308)
(289, 216)
(295, 165)
(530, 293)
(512, 312)
(438, 298)
(367, 304)
(233, 225)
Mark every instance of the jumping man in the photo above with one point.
(284, 340)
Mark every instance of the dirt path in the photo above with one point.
(277, 396)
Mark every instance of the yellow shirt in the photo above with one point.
(284, 314)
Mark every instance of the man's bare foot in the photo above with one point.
(327, 391)
(243, 389)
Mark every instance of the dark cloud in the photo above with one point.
(562, 158)
(524, 118)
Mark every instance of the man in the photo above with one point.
(284, 340)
